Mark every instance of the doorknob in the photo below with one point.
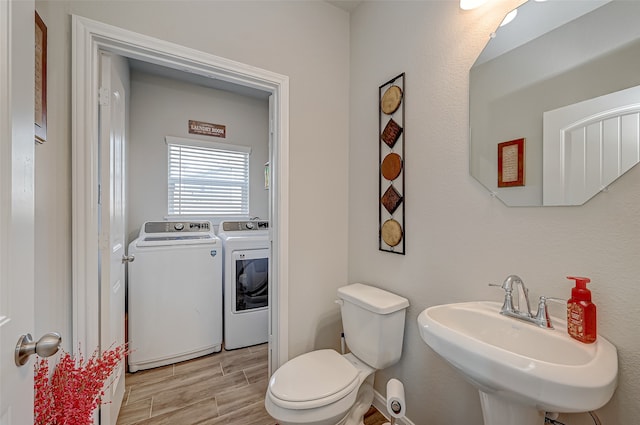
(128, 258)
(46, 346)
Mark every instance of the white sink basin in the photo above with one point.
(519, 362)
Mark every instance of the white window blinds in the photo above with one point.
(207, 180)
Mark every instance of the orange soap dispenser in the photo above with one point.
(581, 312)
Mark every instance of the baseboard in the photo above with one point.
(380, 403)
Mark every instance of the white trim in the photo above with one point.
(87, 39)
(5, 152)
(206, 144)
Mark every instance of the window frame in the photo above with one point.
(210, 145)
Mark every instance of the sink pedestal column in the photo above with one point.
(498, 411)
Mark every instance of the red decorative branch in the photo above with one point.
(75, 389)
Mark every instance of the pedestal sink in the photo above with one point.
(520, 370)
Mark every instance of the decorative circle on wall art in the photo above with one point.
(391, 100)
(391, 232)
(391, 166)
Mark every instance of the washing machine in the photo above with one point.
(245, 273)
(174, 293)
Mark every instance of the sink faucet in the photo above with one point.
(510, 283)
(541, 318)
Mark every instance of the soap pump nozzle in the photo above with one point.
(580, 291)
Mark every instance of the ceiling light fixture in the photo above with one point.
(510, 17)
(471, 4)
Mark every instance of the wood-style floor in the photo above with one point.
(222, 388)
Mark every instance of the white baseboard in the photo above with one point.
(380, 403)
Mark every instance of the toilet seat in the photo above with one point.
(313, 380)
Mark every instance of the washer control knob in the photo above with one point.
(249, 226)
(178, 226)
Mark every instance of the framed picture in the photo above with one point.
(511, 163)
(40, 109)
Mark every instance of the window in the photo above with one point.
(207, 178)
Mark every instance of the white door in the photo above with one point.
(113, 108)
(17, 207)
(588, 145)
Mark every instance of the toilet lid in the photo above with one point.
(319, 375)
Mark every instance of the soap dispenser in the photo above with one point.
(581, 312)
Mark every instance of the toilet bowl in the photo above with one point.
(321, 387)
(325, 387)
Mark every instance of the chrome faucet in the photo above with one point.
(541, 318)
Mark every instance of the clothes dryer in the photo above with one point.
(174, 293)
(246, 282)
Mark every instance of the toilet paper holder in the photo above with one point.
(396, 405)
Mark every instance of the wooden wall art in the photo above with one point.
(391, 207)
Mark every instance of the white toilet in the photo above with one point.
(324, 387)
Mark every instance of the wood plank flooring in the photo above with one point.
(225, 388)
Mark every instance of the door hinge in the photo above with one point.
(103, 96)
(99, 194)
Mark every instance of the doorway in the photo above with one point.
(90, 37)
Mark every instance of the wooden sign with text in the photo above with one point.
(207, 129)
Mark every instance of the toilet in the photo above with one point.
(325, 387)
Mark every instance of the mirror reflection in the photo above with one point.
(561, 76)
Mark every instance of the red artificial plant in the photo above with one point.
(70, 395)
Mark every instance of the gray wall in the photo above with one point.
(162, 107)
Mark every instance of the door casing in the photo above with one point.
(88, 38)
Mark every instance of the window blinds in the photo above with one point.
(207, 181)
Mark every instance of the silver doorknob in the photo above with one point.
(46, 346)
(128, 258)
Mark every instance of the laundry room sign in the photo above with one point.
(207, 129)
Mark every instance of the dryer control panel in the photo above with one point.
(237, 226)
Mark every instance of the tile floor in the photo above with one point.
(222, 388)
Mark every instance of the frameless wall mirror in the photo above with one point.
(563, 80)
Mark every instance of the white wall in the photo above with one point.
(459, 239)
(162, 107)
(307, 41)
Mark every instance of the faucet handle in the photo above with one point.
(501, 286)
(554, 299)
(542, 316)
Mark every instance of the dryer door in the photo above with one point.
(251, 280)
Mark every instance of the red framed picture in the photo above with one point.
(511, 163)
(40, 109)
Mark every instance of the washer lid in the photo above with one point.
(323, 376)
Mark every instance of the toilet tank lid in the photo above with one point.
(373, 299)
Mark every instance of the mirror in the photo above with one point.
(556, 56)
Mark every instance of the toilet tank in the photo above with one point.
(373, 323)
